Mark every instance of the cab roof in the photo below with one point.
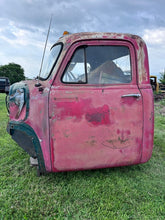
(71, 38)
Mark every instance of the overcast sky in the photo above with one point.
(24, 24)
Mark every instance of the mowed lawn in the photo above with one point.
(135, 192)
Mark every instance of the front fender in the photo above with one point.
(26, 138)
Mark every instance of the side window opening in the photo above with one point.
(99, 65)
(76, 69)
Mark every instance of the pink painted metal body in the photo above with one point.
(88, 126)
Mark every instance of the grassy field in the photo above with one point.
(136, 192)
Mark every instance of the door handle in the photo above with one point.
(135, 95)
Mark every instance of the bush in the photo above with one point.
(162, 78)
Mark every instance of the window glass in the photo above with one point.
(2, 80)
(52, 59)
(99, 65)
(75, 71)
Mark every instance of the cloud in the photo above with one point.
(83, 13)
(155, 36)
(155, 41)
(24, 24)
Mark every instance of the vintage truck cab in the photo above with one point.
(92, 106)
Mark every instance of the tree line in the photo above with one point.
(13, 71)
(162, 77)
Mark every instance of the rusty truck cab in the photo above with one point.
(92, 107)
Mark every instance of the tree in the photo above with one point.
(13, 71)
(162, 77)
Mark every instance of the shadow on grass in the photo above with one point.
(124, 172)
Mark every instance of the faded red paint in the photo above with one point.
(73, 109)
(92, 126)
(78, 109)
(98, 116)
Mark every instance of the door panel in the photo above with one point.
(91, 128)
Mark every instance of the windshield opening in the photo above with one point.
(51, 61)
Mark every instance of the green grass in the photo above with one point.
(136, 192)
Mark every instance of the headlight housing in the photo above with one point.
(19, 99)
(17, 102)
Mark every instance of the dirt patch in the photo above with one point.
(158, 97)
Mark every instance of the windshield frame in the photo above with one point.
(56, 44)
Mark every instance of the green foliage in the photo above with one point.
(156, 93)
(122, 193)
(162, 77)
(13, 71)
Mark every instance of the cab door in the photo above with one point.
(95, 108)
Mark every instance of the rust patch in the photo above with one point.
(98, 116)
(123, 140)
(66, 133)
(91, 142)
